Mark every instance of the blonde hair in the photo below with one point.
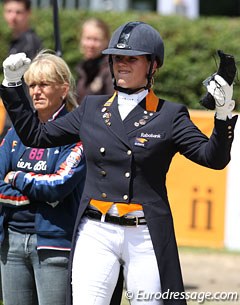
(52, 68)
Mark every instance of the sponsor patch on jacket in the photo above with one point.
(141, 142)
(159, 135)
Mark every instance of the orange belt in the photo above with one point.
(123, 208)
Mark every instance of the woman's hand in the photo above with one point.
(9, 178)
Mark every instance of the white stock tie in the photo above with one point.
(126, 102)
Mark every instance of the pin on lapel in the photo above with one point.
(142, 122)
(107, 115)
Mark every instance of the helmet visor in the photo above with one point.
(122, 51)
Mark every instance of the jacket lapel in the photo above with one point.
(112, 119)
(143, 113)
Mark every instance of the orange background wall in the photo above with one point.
(2, 116)
(197, 196)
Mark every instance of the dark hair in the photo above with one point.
(149, 58)
(27, 3)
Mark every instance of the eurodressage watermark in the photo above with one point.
(201, 297)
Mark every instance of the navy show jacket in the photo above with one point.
(145, 151)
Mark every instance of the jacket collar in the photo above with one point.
(60, 112)
(143, 113)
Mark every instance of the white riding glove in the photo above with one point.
(222, 93)
(14, 66)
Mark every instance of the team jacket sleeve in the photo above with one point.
(8, 195)
(213, 152)
(52, 188)
(32, 132)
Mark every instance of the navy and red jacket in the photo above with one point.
(57, 193)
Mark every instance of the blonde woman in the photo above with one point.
(40, 191)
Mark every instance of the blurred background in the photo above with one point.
(193, 30)
(205, 203)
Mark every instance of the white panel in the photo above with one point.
(115, 5)
(190, 8)
(232, 215)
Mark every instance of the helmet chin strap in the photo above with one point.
(128, 90)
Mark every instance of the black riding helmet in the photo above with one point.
(132, 39)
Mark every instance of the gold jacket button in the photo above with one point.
(127, 174)
(129, 152)
(125, 197)
(102, 150)
(104, 195)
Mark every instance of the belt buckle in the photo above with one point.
(132, 217)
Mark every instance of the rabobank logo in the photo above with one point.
(160, 135)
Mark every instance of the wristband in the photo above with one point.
(14, 84)
(11, 84)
